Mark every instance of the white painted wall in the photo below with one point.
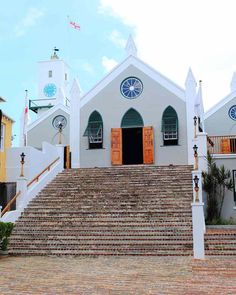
(151, 104)
(35, 160)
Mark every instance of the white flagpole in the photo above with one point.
(25, 118)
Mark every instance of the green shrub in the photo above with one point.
(215, 183)
(5, 232)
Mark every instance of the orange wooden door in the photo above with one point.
(148, 145)
(116, 146)
(225, 146)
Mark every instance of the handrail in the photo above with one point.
(36, 178)
(12, 201)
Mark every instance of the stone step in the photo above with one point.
(138, 210)
(94, 253)
(108, 215)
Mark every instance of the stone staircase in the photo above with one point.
(220, 241)
(125, 210)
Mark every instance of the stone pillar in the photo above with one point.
(198, 218)
(60, 149)
(75, 125)
(190, 95)
(198, 230)
(202, 150)
(21, 185)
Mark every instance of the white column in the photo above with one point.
(21, 185)
(198, 219)
(60, 149)
(202, 150)
(198, 231)
(75, 125)
(190, 95)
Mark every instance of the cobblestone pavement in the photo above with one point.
(117, 275)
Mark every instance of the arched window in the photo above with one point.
(94, 131)
(170, 126)
(131, 119)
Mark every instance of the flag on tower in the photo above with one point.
(74, 25)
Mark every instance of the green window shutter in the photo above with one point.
(132, 119)
(95, 126)
(170, 124)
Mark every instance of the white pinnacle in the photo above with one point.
(130, 47)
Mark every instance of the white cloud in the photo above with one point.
(88, 68)
(29, 20)
(117, 38)
(108, 63)
(173, 35)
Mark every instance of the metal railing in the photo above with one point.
(222, 144)
(10, 203)
(35, 179)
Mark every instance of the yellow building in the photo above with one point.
(5, 141)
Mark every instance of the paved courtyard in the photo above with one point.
(116, 275)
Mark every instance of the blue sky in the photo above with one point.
(170, 35)
(31, 29)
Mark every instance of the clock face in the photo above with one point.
(232, 112)
(59, 122)
(131, 87)
(50, 90)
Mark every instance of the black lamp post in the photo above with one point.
(195, 126)
(196, 187)
(60, 132)
(195, 148)
(22, 156)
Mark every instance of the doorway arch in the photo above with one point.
(132, 137)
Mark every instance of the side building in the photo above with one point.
(6, 189)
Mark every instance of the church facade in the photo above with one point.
(134, 115)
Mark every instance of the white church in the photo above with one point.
(134, 115)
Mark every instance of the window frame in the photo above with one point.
(170, 130)
(94, 131)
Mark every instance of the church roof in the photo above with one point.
(48, 113)
(220, 104)
(139, 64)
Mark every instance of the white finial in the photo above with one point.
(190, 79)
(130, 47)
(233, 83)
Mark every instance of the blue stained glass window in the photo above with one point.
(131, 87)
(232, 112)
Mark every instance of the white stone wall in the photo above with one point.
(150, 104)
(35, 161)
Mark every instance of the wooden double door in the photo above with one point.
(130, 146)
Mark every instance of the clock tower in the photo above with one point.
(53, 84)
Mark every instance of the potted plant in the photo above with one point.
(5, 232)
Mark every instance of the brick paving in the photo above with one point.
(117, 275)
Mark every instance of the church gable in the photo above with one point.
(137, 65)
(221, 120)
(47, 127)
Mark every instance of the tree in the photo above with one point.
(215, 183)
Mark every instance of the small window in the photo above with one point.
(65, 76)
(50, 74)
(2, 137)
(170, 127)
(94, 131)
